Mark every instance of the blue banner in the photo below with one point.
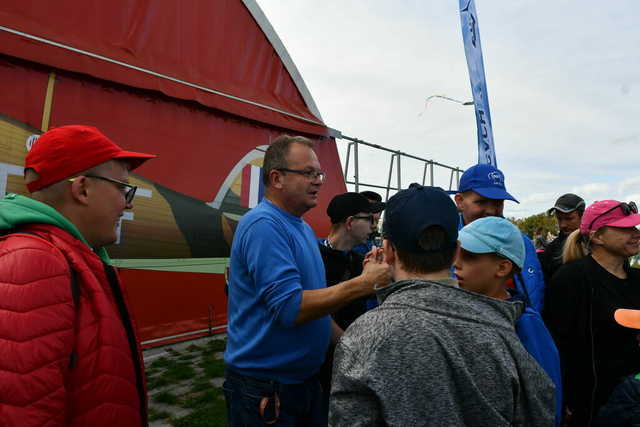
(473, 52)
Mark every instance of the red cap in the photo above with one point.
(604, 213)
(64, 151)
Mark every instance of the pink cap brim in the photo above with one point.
(627, 318)
(628, 221)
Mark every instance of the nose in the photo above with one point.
(128, 205)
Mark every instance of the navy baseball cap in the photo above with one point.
(486, 180)
(411, 211)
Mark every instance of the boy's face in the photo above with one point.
(482, 273)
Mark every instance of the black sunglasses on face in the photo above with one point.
(128, 190)
(312, 175)
(627, 209)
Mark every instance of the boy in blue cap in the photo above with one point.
(482, 193)
(492, 252)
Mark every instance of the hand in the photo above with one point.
(376, 271)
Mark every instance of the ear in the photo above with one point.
(348, 222)
(80, 190)
(458, 198)
(275, 179)
(596, 237)
(504, 267)
(388, 251)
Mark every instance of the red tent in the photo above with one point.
(205, 85)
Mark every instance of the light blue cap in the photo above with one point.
(493, 235)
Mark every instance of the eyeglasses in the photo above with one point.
(128, 190)
(370, 218)
(312, 175)
(627, 209)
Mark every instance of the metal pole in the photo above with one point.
(451, 179)
(390, 174)
(357, 166)
(346, 163)
(399, 172)
(424, 173)
(431, 173)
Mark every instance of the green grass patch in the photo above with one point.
(212, 367)
(211, 414)
(166, 397)
(187, 357)
(200, 384)
(196, 400)
(155, 415)
(216, 345)
(161, 362)
(194, 347)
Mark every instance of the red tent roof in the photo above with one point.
(170, 46)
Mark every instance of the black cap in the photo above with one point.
(345, 205)
(372, 195)
(568, 203)
(413, 210)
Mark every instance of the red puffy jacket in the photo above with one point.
(65, 362)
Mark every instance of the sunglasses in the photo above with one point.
(627, 209)
(128, 190)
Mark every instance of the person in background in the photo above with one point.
(482, 193)
(69, 354)
(352, 221)
(279, 326)
(491, 252)
(596, 279)
(568, 211)
(539, 240)
(431, 353)
(376, 200)
(623, 407)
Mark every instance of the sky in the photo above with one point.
(563, 80)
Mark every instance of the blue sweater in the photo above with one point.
(274, 257)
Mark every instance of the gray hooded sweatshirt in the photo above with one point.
(433, 354)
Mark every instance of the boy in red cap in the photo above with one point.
(69, 354)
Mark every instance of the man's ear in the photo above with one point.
(80, 190)
(504, 267)
(389, 252)
(275, 179)
(458, 198)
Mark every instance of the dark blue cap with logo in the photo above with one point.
(413, 210)
(486, 180)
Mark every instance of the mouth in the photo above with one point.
(313, 194)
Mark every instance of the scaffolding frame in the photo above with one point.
(395, 167)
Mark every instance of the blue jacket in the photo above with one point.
(531, 282)
(536, 338)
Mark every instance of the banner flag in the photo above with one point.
(473, 52)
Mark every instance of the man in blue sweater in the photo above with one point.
(279, 326)
(482, 193)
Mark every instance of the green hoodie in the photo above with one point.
(16, 210)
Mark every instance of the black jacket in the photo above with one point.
(340, 266)
(596, 353)
(551, 258)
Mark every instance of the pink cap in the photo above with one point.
(606, 213)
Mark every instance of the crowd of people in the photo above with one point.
(470, 325)
(448, 318)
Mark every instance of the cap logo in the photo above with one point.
(31, 141)
(496, 177)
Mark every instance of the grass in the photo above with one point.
(193, 367)
(211, 414)
(166, 397)
(212, 367)
(155, 415)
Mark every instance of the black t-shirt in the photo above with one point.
(596, 352)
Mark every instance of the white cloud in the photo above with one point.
(563, 84)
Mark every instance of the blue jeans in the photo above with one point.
(253, 402)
